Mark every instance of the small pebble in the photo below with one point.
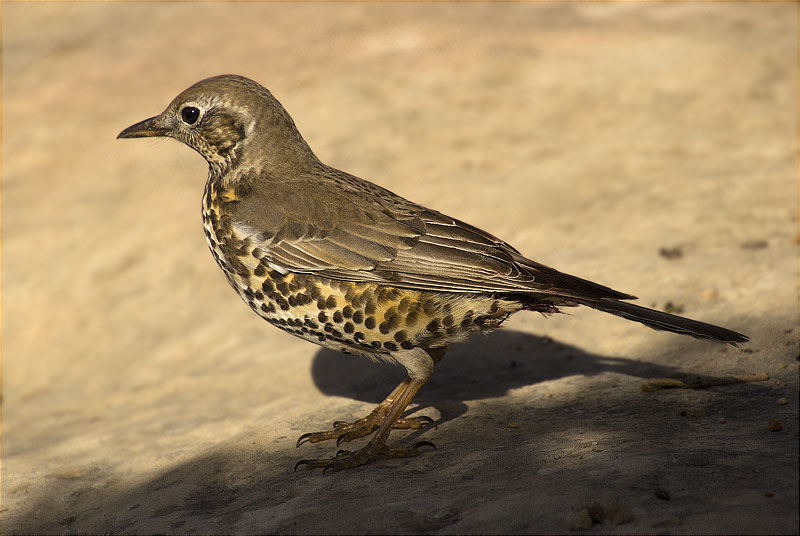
(673, 308)
(697, 459)
(782, 401)
(710, 294)
(662, 494)
(774, 425)
(581, 520)
(769, 495)
(755, 244)
(617, 514)
(671, 253)
(723, 420)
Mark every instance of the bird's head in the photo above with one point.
(228, 119)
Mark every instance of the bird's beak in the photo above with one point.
(145, 129)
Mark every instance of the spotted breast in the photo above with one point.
(346, 316)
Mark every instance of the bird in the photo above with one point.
(349, 265)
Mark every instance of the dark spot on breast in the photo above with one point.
(358, 317)
(467, 320)
(350, 293)
(330, 303)
(322, 317)
(393, 321)
(394, 294)
(406, 345)
(447, 320)
(310, 323)
(347, 311)
(337, 317)
(358, 335)
(268, 286)
(370, 307)
(433, 326)
(282, 287)
(390, 346)
(376, 344)
(369, 322)
(328, 327)
(314, 291)
(321, 303)
(411, 318)
(404, 305)
(349, 327)
(401, 335)
(384, 328)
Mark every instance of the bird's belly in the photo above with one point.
(352, 317)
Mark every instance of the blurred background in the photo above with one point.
(651, 147)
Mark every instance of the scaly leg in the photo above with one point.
(345, 431)
(377, 445)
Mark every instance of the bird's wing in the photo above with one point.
(360, 236)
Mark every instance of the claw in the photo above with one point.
(327, 468)
(304, 438)
(298, 464)
(425, 419)
(419, 444)
(339, 424)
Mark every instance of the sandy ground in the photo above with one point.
(141, 396)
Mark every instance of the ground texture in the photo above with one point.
(650, 147)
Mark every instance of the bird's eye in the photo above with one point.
(190, 115)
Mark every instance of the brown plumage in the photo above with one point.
(346, 264)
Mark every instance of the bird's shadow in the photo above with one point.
(243, 477)
(488, 367)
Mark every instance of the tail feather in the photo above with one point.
(666, 322)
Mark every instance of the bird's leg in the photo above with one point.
(347, 431)
(400, 398)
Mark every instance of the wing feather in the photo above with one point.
(361, 232)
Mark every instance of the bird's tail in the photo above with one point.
(666, 322)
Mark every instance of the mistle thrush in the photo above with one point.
(343, 263)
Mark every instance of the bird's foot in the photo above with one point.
(346, 459)
(348, 431)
